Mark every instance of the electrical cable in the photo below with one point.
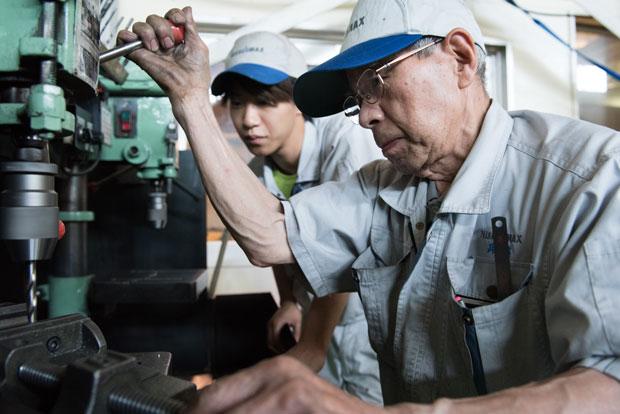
(539, 13)
(613, 74)
(87, 170)
(115, 174)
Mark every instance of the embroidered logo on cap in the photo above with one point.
(247, 49)
(356, 24)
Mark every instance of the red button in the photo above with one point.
(61, 229)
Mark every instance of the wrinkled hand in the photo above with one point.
(179, 70)
(288, 314)
(278, 385)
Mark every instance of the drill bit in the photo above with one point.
(31, 290)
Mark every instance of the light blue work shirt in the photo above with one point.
(555, 180)
(333, 148)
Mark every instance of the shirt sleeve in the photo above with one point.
(328, 226)
(582, 313)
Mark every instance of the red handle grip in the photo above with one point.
(178, 33)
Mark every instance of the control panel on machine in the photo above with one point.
(126, 114)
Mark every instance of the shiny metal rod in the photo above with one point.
(31, 290)
(218, 265)
(48, 30)
(120, 51)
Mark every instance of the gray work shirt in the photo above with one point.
(333, 148)
(555, 180)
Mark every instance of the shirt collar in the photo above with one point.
(470, 192)
(309, 168)
(405, 193)
(268, 166)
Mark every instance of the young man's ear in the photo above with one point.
(462, 46)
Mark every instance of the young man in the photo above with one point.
(481, 248)
(294, 153)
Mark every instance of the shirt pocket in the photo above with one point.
(476, 277)
(379, 290)
(511, 333)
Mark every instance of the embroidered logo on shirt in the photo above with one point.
(488, 235)
(512, 238)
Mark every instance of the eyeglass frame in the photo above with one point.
(358, 97)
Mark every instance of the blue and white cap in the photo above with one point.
(378, 29)
(265, 57)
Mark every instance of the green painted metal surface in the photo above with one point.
(19, 19)
(138, 83)
(135, 151)
(68, 295)
(37, 47)
(76, 216)
(10, 113)
(149, 148)
(47, 109)
(76, 50)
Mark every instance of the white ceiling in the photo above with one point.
(225, 15)
(243, 12)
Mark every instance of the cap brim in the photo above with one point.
(259, 73)
(322, 90)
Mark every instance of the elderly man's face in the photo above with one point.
(416, 122)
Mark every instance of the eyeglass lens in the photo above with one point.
(370, 86)
(369, 89)
(351, 106)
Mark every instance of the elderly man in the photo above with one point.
(482, 249)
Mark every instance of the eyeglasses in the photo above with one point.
(370, 84)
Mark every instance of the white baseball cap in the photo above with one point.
(265, 57)
(378, 29)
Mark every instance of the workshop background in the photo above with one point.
(146, 289)
(527, 67)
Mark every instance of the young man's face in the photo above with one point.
(415, 120)
(264, 127)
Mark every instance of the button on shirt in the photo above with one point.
(555, 180)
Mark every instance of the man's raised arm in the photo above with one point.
(251, 213)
